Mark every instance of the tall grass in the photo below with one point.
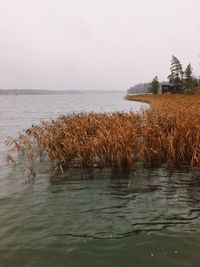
(169, 131)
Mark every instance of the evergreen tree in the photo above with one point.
(176, 76)
(188, 77)
(154, 86)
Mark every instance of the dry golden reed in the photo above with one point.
(169, 131)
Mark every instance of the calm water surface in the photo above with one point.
(97, 217)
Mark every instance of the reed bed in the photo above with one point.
(169, 131)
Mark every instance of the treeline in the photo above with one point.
(55, 92)
(138, 88)
(180, 80)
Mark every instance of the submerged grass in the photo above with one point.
(169, 131)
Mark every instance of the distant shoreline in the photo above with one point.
(55, 92)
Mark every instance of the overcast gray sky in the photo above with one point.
(95, 44)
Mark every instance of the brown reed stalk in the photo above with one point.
(169, 131)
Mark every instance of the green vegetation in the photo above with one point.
(154, 86)
(180, 81)
(176, 76)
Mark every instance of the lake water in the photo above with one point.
(97, 217)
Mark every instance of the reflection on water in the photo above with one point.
(96, 217)
(96, 214)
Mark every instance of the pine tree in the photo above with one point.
(154, 86)
(188, 77)
(176, 76)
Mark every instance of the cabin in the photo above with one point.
(168, 88)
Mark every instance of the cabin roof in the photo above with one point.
(166, 83)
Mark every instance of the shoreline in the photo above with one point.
(167, 132)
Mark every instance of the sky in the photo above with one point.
(95, 44)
